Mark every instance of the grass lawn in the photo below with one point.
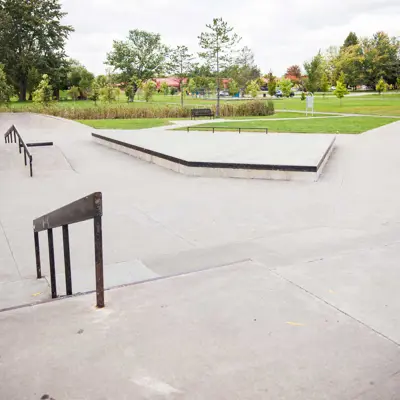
(144, 123)
(137, 123)
(369, 104)
(311, 125)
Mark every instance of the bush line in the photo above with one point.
(250, 108)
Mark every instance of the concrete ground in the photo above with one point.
(258, 289)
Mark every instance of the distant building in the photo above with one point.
(171, 82)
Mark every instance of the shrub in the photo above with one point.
(124, 111)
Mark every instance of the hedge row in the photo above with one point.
(249, 108)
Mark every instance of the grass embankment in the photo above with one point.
(309, 125)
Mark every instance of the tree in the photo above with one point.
(44, 92)
(95, 93)
(340, 90)
(286, 86)
(80, 77)
(149, 88)
(351, 40)
(139, 58)
(218, 42)
(381, 86)
(31, 35)
(101, 81)
(293, 73)
(324, 84)
(107, 93)
(211, 86)
(314, 71)
(5, 88)
(164, 88)
(33, 80)
(74, 92)
(180, 64)
(398, 83)
(271, 84)
(233, 87)
(253, 89)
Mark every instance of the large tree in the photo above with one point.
(31, 35)
(218, 44)
(180, 64)
(351, 40)
(314, 70)
(139, 58)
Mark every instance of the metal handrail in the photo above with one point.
(89, 207)
(11, 137)
(225, 128)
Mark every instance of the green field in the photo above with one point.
(309, 125)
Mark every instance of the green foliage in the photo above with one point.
(101, 81)
(398, 83)
(271, 84)
(233, 87)
(286, 86)
(44, 92)
(381, 86)
(34, 78)
(117, 93)
(149, 88)
(303, 96)
(217, 43)
(340, 90)
(324, 83)
(139, 58)
(192, 86)
(164, 88)
(351, 40)
(314, 70)
(74, 92)
(5, 89)
(95, 92)
(212, 86)
(108, 93)
(253, 88)
(32, 36)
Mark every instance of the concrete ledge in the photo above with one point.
(219, 169)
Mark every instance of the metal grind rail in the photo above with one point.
(11, 136)
(225, 128)
(89, 207)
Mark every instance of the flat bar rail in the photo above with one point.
(11, 136)
(87, 208)
(224, 128)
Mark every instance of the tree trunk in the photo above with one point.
(56, 93)
(22, 89)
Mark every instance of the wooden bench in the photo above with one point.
(202, 112)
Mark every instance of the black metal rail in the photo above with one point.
(89, 207)
(225, 128)
(11, 137)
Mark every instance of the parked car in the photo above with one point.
(279, 93)
(264, 88)
(224, 93)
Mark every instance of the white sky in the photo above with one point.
(280, 32)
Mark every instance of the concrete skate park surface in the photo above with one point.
(265, 289)
(226, 154)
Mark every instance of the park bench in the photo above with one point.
(202, 112)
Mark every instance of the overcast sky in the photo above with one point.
(280, 32)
